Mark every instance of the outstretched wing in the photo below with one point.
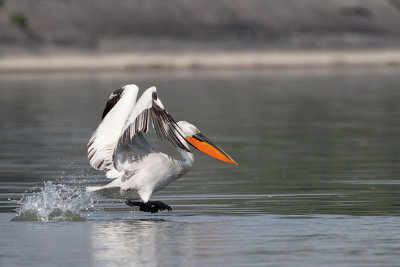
(126, 155)
(103, 141)
(138, 121)
(123, 120)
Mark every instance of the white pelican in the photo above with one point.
(119, 147)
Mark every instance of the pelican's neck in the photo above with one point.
(187, 161)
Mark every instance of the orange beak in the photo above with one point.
(200, 142)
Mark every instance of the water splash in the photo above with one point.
(54, 203)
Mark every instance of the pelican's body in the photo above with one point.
(152, 173)
(119, 147)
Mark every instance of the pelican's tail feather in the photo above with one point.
(93, 188)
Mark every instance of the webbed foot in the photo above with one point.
(150, 206)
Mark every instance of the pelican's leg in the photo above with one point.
(149, 206)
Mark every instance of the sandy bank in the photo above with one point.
(200, 60)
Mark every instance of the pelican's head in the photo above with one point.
(194, 137)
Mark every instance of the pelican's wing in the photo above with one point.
(104, 140)
(138, 121)
(132, 152)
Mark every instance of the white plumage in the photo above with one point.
(119, 147)
(104, 140)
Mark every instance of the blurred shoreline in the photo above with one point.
(59, 36)
(175, 60)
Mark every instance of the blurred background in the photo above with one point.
(198, 29)
(303, 94)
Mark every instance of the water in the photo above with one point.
(54, 203)
(317, 183)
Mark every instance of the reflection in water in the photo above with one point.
(155, 241)
(245, 241)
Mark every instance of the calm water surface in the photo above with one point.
(317, 184)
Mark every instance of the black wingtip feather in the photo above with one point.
(165, 126)
(112, 101)
(154, 95)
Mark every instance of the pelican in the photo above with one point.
(119, 148)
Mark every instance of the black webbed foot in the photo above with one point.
(150, 206)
